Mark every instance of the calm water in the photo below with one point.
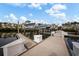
(6, 38)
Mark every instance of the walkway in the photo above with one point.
(52, 46)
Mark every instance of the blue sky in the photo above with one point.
(52, 13)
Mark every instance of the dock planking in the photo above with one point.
(52, 46)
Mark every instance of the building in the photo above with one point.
(53, 27)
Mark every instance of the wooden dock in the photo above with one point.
(52, 46)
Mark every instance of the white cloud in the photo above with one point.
(13, 19)
(37, 5)
(55, 11)
(58, 15)
(59, 7)
(22, 19)
(12, 16)
(32, 5)
(49, 11)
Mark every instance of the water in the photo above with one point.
(6, 38)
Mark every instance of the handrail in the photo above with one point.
(69, 49)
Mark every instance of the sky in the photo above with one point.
(47, 13)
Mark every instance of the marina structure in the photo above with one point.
(46, 47)
(38, 40)
(39, 29)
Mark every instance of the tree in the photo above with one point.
(27, 21)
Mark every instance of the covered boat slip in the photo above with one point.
(6, 38)
(17, 47)
(52, 46)
(4, 41)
